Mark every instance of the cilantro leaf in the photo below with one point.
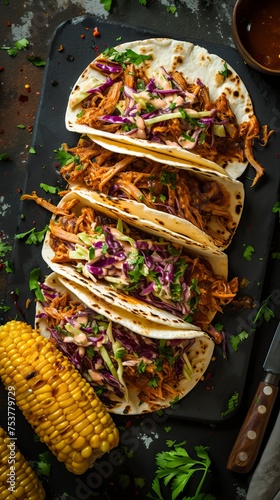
(44, 464)
(34, 283)
(276, 208)
(34, 237)
(264, 311)
(21, 44)
(232, 404)
(236, 339)
(224, 72)
(276, 255)
(107, 4)
(172, 9)
(49, 189)
(4, 248)
(18, 45)
(4, 156)
(176, 467)
(66, 158)
(127, 56)
(36, 60)
(248, 252)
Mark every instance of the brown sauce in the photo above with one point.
(260, 32)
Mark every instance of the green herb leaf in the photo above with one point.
(224, 72)
(4, 248)
(32, 150)
(44, 464)
(276, 208)
(232, 404)
(236, 339)
(264, 311)
(248, 252)
(36, 60)
(176, 467)
(34, 283)
(9, 266)
(107, 4)
(34, 236)
(49, 189)
(21, 44)
(276, 255)
(127, 56)
(4, 156)
(171, 9)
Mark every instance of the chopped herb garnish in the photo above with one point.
(224, 72)
(232, 404)
(32, 150)
(4, 156)
(248, 252)
(34, 236)
(171, 9)
(236, 339)
(127, 56)
(36, 60)
(21, 126)
(276, 208)
(44, 464)
(49, 189)
(168, 178)
(18, 45)
(66, 158)
(4, 248)
(276, 255)
(34, 283)
(264, 311)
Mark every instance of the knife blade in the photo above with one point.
(250, 436)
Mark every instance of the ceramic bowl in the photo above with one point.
(256, 34)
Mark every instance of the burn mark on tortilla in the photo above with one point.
(236, 93)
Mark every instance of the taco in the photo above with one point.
(205, 206)
(131, 373)
(168, 97)
(141, 268)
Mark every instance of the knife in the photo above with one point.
(249, 439)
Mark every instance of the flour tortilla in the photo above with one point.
(234, 190)
(217, 259)
(193, 62)
(199, 354)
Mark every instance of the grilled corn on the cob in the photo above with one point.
(18, 480)
(60, 405)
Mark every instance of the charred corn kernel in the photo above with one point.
(60, 405)
(18, 480)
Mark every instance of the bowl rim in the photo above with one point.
(238, 42)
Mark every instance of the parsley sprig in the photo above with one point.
(18, 45)
(176, 467)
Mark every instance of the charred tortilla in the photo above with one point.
(131, 373)
(204, 206)
(174, 98)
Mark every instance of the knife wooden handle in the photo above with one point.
(249, 439)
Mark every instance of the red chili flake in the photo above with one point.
(208, 376)
(19, 190)
(1, 68)
(128, 424)
(96, 32)
(8, 24)
(82, 36)
(208, 388)
(1, 266)
(277, 156)
(1, 131)
(60, 49)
